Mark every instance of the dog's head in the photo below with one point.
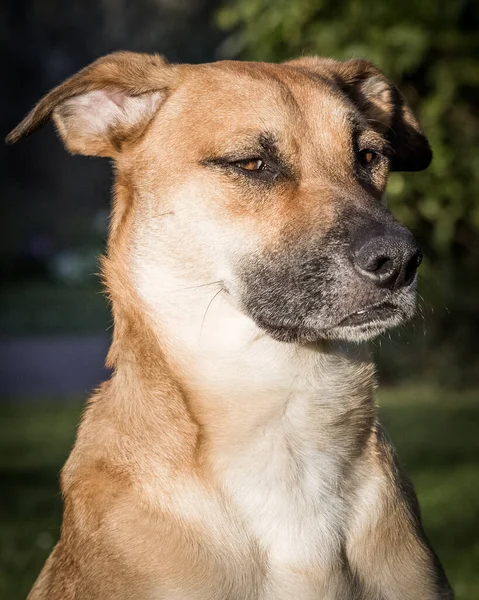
(267, 178)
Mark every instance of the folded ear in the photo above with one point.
(382, 104)
(105, 105)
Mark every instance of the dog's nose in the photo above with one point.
(390, 261)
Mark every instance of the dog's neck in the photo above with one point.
(238, 381)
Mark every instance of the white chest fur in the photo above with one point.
(288, 490)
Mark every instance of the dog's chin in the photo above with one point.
(362, 325)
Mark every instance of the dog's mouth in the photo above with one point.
(376, 313)
(362, 324)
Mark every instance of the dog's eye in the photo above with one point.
(368, 157)
(251, 164)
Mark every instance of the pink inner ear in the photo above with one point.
(117, 97)
(87, 121)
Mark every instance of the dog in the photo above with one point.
(235, 453)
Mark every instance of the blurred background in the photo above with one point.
(55, 323)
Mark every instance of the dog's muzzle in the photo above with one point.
(352, 282)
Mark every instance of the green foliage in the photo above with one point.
(431, 50)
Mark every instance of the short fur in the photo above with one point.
(235, 453)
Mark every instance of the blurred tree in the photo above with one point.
(431, 50)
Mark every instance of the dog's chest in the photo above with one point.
(288, 493)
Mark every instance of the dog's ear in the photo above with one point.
(105, 105)
(382, 104)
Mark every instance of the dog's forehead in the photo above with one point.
(231, 94)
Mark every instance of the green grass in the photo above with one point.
(34, 443)
(435, 432)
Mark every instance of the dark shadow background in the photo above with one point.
(55, 209)
(55, 323)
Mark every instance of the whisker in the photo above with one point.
(208, 307)
(193, 287)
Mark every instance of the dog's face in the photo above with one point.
(266, 178)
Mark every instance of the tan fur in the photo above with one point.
(218, 463)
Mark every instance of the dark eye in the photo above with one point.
(368, 157)
(251, 164)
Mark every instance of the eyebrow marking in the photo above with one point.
(263, 145)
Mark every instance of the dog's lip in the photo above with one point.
(287, 331)
(381, 312)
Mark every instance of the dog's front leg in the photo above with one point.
(388, 549)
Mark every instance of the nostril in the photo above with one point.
(375, 265)
(418, 258)
(411, 267)
(380, 265)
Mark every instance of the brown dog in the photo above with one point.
(235, 453)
